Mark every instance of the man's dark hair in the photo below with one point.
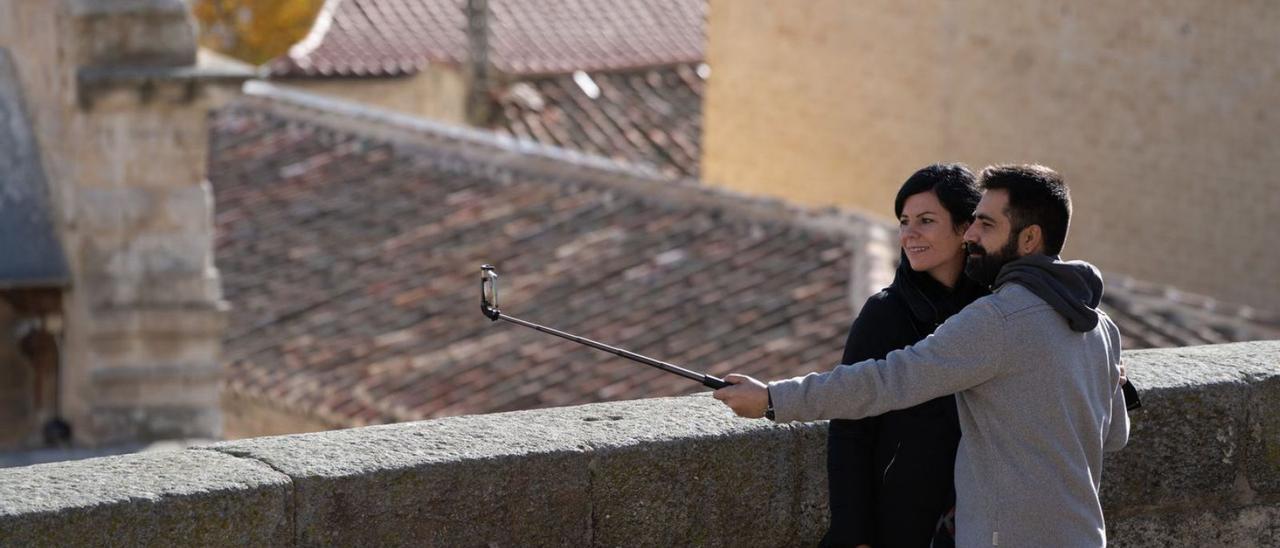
(954, 185)
(1037, 196)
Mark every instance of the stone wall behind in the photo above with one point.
(1161, 116)
(438, 93)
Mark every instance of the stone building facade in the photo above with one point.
(116, 98)
(1160, 115)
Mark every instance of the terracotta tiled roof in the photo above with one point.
(651, 116)
(399, 37)
(1156, 316)
(352, 267)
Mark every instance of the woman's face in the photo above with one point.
(927, 236)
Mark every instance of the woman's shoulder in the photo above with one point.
(882, 306)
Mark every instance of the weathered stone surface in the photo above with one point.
(673, 471)
(206, 320)
(147, 421)
(1188, 442)
(704, 489)
(553, 476)
(110, 209)
(128, 209)
(125, 32)
(1248, 527)
(172, 498)
(1262, 458)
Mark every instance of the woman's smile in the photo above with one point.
(931, 241)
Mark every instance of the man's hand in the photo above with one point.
(747, 397)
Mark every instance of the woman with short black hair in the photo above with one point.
(891, 477)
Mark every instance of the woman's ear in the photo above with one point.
(962, 228)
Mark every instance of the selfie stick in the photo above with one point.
(489, 305)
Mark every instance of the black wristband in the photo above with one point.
(768, 411)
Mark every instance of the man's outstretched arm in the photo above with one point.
(963, 352)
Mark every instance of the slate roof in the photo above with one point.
(352, 266)
(31, 254)
(528, 37)
(651, 116)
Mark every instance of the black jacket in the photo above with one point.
(891, 477)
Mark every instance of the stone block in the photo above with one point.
(463, 481)
(170, 498)
(112, 424)
(113, 209)
(134, 32)
(206, 319)
(1188, 442)
(156, 384)
(545, 477)
(139, 349)
(131, 144)
(190, 207)
(703, 489)
(1247, 527)
(151, 253)
(151, 267)
(154, 290)
(1262, 458)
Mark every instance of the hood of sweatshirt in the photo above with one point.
(1072, 288)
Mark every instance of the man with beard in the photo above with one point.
(1035, 368)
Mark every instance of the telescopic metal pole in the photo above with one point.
(489, 306)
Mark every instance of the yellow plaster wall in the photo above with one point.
(438, 93)
(1161, 115)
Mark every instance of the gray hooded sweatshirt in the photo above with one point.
(1035, 370)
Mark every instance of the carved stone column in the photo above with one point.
(120, 96)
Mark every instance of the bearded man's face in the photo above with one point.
(991, 240)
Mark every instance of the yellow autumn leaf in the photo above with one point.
(254, 31)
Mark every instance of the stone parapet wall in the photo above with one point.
(1202, 468)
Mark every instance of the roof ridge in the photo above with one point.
(315, 35)
(621, 68)
(503, 155)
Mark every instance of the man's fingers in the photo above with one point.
(746, 396)
(723, 393)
